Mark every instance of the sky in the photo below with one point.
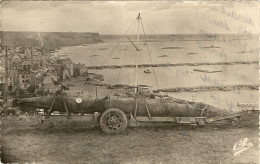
(115, 17)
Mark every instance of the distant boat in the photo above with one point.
(172, 48)
(207, 71)
(245, 51)
(116, 58)
(102, 48)
(191, 53)
(147, 71)
(212, 46)
(93, 55)
(163, 56)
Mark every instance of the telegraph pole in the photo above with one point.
(6, 81)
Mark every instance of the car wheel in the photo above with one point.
(113, 121)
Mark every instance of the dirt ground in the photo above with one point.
(23, 141)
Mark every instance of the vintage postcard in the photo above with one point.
(129, 82)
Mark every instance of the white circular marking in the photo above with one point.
(78, 100)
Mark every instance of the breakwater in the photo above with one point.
(209, 88)
(187, 89)
(170, 65)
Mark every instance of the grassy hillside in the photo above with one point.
(48, 40)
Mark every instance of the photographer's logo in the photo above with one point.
(241, 146)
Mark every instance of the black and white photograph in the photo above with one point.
(131, 82)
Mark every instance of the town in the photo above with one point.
(35, 70)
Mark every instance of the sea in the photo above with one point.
(176, 49)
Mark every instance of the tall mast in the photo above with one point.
(137, 52)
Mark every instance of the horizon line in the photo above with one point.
(132, 34)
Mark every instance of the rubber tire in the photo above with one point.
(120, 113)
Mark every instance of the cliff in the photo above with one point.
(48, 40)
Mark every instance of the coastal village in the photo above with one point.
(35, 70)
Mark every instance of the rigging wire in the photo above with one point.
(155, 33)
(116, 45)
(121, 60)
(150, 54)
(113, 50)
(149, 27)
(166, 108)
(174, 99)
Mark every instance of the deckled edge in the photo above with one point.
(258, 6)
(1, 55)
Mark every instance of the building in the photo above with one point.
(47, 82)
(36, 53)
(9, 79)
(15, 61)
(28, 53)
(16, 57)
(15, 78)
(66, 73)
(69, 65)
(80, 70)
(43, 63)
(26, 66)
(2, 82)
(65, 68)
(24, 80)
(19, 49)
